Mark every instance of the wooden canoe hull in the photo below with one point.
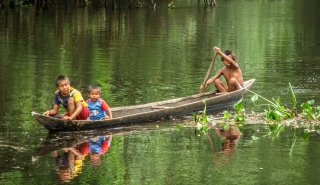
(148, 112)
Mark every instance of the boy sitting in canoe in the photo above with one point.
(98, 108)
(71, 99)
(231, 72)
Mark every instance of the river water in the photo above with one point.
(145, 55)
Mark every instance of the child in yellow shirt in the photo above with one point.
(71, 99)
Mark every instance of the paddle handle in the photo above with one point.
(203, 85)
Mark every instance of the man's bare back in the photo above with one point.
(231, 72)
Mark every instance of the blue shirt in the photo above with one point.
(98, 109)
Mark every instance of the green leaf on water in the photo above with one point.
(238, 106)
(204, 119)
(273, 127)
(254, 98)
(278, 113)
(311, 102)
(305, 105)
(199, 126)
(254, 138)
(179, 126)
(305, 135)
(226, 127)
(226, 115)
(272, 115)
(277, 100)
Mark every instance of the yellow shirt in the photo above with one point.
(63, 99)
(78, 96)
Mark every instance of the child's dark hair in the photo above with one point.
(60, 78)
(229, 52)
(94, 87)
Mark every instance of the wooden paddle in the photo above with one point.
(203, 85)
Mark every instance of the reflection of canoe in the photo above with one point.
(59, 140)
(149, 112)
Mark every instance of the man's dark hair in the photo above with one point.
(60, 78)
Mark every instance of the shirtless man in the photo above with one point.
(231, 72)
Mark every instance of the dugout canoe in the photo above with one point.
(149, 112)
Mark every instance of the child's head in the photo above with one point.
(95, 159)
(63, 84)
(230, 54)
(94, 92)
(64, 173)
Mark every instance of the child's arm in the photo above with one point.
(212, 79)
(75, 151)
(105, 107)
(109, 116)
(54, 111)
(225, 57)
(76, 112)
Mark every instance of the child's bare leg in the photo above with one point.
(71, 105)
(233, 85)
(220, 86)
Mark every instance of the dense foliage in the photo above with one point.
(98, 3)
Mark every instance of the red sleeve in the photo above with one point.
(104, 105)
(84, 148)
(104, 146)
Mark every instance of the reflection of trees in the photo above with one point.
(94, 47)
(45, 4)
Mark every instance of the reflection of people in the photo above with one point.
(71, 99)
(231, 73)
(70, 151)
(99, 109)
(68, 162)
(232, 136)
(228, 145)
(99, 146)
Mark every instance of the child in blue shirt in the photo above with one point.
(98, 108)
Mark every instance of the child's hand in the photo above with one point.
(47, 113)
(66, 118)
(107, 117)
(203, 86)
(217, 50)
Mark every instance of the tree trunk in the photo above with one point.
(154, 4)
(114, 4)
(213, 3)
(138, 4)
